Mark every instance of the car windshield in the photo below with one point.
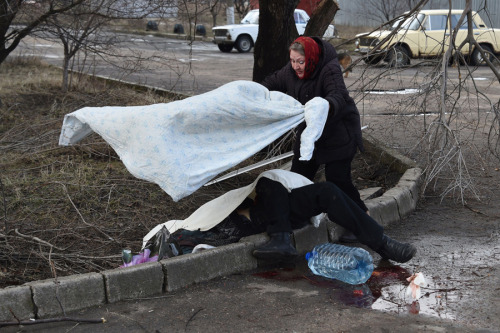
(251, 18)
(411, 23)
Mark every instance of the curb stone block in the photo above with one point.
(375, 211)
(404, 199)
(388, 156)
(333, 230)
(192, 268)
(412, 174)
(413, 187)
(370, 193)
(134, 282)
(307, 237)
(384, 210)
(256, 240)
(18, 300)
(74, 292)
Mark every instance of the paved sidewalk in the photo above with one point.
(291, 301)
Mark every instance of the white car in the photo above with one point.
(243, 36)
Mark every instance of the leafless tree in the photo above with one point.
(242, 7)
(83, 28)
(450, 124)
(277, 30)
(384, 10)
(214, 6)
(18, 19)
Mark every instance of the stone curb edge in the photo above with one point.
(48, 298)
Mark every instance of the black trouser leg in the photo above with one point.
(311, 200)
(339, 173)
(307, 169)
(272, 210)
(272, 206)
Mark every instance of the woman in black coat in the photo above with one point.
(314, 71)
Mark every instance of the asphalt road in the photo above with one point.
(174, 64)
(198, 67)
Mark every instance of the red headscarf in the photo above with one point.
(311, 53)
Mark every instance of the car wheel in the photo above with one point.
(399, 56)
(373, 59)
(476, 57)
(225, 47)
(243, 44)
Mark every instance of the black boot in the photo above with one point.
(394, 250)
(278, 247)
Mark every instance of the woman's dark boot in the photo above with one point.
(394, 250)
(278, 247)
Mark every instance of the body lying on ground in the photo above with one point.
(279, 201)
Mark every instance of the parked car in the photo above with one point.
(243, 36)
(427, 34)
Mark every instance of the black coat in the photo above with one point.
(342, 132)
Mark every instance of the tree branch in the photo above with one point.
(53, 320)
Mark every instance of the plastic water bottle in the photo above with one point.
(352, 265)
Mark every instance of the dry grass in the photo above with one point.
(68, 197)
(66, 210)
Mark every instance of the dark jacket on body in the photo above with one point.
(342, 132)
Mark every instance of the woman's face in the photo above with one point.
(298, 62)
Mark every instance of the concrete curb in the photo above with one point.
(47, 298)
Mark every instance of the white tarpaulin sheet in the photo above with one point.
(183, 144)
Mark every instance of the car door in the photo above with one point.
(433, 35)
(462, 32)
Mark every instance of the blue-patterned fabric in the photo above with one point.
(183, 144)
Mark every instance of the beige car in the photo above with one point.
(427, 35)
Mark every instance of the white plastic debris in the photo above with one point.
(417, 280)
(202, 247)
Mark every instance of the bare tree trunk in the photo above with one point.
(276, 31)
(214, 11)
(214, 19)
(65, 83)
(321, 17)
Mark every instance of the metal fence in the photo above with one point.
(360, 13)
